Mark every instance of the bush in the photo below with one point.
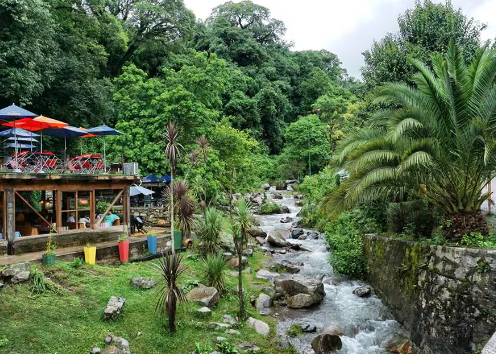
(476, 239)
(41, 284)
(415, 218)
(214, 272)
(269, 207)
(208, 229)
(345, 240)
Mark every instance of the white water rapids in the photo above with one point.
(365, 322)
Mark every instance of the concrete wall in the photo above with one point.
(445, 296)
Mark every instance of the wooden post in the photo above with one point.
(92, 208)
(58, 210)
(10, 215)
(126, 209)
(34, 210)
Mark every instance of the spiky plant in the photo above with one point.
(172, 153)
(438, 144)
(182, 205)
(241, 221)
(170, 294)
(203, 146)
(214, 272)
(208, 229)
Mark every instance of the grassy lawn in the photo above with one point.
(71, 321)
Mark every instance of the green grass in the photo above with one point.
(71, 321)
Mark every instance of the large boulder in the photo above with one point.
(326, 343)
(265, 274)
(17, 273)
(332, 330)
(261, 240)
(286, 220)
(265, 186)
(227, 242)
(143, 283)
(208, 296)
(204, 312)
(263, 301)
(284, 209)
(362, 291)
(287, 266)
(301, 291)
(281, 185)
(114, 308)
(256, 232)
(296, 233)
(277, 241)
(277, 196)
(259, 326)
(234, 262)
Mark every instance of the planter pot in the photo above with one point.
(152, 243)
(49, 259)
(178, 239)
(124, 251)
(90, 255)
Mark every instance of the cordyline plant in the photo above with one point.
(170, 294)
(176, 196)
(173, 154)
(439, 144)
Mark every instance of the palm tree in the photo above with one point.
(170, 294)
(173, 154)
(241, 222)
(437, 144)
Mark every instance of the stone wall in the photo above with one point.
(445, 296)
(149, 214)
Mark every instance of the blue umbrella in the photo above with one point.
(66, 132)
(14, 112)
(104, 130)
(18, 146)
(166, 178)
(13, 132)
(150, 179)
(20, 138)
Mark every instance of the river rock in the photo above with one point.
(277, 196)
(326, 343)
(287, 266)
(284, 209)
(227, 256)
(234, 262)
(112, 350)
(308, 327)
(302, 237)
(277, 241)
(291, 181)
(299, 203)
(313, 235)
(208, 296)
(263, 302)
(265, 274)
(233, 332)
(281, 185)
(204, 312)
(16, 273)
(96, 351)
(399, 346)
(218, 325)
(302, 291)
(248, 347)
(256, 232)
(228, 319)
(296, 232)
(362, 291)
(260, 326)
(114, 308)
(265, 186)
(261, 240)
(143, 283)
(332, 330)
(248, 252)
(285, 220)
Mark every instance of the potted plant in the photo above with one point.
(152, 243)
(49, 257)
(123, 248)
(90, 254)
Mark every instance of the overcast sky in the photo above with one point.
(347, 27)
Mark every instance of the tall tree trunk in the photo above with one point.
(457, 225)
(172, 211)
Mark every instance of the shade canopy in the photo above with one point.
(22, 138)
(38, 123)
(17, 132)
(18, 146)
(15, 112)
(150, 179)
(65, 132)
(104, 130)
(136, 190)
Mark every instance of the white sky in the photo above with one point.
(347, 27)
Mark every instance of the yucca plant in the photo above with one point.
(214, 272)
(241, 221)
(208, 229)
(170, 294)
(438, 144)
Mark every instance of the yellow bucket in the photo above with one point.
(90, 255)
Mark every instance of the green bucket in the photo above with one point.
(178, 239)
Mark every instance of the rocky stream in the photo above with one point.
(364, 324)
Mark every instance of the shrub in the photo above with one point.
(42, 285)
(345, 239)
(269, 207)
(414, 217)
(77, 263)
(208, 229)
(476, 239)
(294, 330)
(214, 272)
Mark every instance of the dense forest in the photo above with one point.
(248, 107)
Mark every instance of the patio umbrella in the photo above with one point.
(85, 136)
(38, 124)
(18, 146)
(22, 139)
(17, 132)
(14, 112)
(104, 130)
(66, 132)
(136, 190)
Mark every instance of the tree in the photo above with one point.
(173, 154)
(425, 30)
(242, 220)
(438, 144)
(307, 141)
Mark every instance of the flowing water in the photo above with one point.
(365, 322)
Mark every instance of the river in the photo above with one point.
(365, 322)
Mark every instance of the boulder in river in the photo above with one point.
(265, 274)
(277, 241)
(284, 209)
(333, 330)
(287, 266)
(285, 220)
(362, 291)
(296, 232)
(277, 196)
(281, 185)
(260, 240)
(256, 232)
(326, 343)
(302, 291)
(265, 186)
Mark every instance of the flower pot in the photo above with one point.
(90, 255)
(49, 259)
(124, 251)
(152, 243)
(178, 239)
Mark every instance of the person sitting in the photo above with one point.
(71, 218)
(85, 222)
(110, 218)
